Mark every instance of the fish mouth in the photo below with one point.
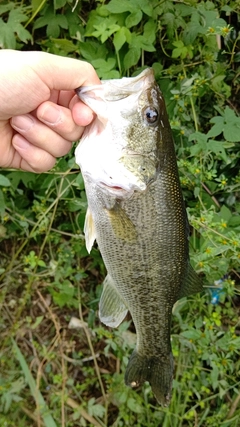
(113, 187)
(117, 190)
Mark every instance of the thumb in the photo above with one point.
(62, 73)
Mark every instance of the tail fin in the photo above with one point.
(157, 370)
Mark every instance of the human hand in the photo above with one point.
(40, 115)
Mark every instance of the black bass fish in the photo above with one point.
(136, 214)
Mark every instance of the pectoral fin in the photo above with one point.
(89, 231)
(112, 308)
(122, 226)
(192, 284)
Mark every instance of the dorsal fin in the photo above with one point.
(192, 283)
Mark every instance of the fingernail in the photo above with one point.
(20, 143)
(51, 115)
(22, 123)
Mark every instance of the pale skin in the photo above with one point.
(40, 114)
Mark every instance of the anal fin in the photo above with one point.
(112, 309)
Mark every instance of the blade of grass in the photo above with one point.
(40, 402)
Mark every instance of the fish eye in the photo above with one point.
(150, 115)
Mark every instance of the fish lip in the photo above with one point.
(118, 190)
(115, 189)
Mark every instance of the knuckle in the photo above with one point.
(42, 162)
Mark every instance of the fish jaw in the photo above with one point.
(109, 153)
(114, 90)
(102, 163)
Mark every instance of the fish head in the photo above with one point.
(119, 150)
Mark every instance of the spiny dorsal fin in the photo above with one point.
(192, 284)
(112, 308)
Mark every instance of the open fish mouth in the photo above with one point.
(118, 190)
(123, 189)
(113, 187)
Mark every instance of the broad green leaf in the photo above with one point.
(141, 42)
(232, 132)
(168, 19)
(178, 44)
(225, 213)
(230, 116)
(66, 46)
(145, 6)
(4, 181)
(35, 4)
(59, 3)
(191, 32)
(22, 33)
(132, 57)
(179, 52)
(62, 21)
(192, 334)
(12, 27)
(157, 68)
(217, 120)
(116, 6)
(200, 145)
(229, 125)
(216, 130)
(218, 148)
(77, 205)
(150, 31)
(237, 57)
(106, 69)
(214, 376)
(53, 29)
(42, 21)
(184, 10)
(16, 16)
(134, 406)
(134, 18)
(6, 7)
(234, 221)
(2, 203)
(119, 38)
(103, 64)
(7, 37)
(41, 263)
(91, 50)
(104, 31)
(196, 191)
(97, 410)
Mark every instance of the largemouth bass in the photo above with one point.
(136, 214)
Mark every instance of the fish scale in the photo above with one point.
(137, 215)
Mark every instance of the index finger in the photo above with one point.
(63, 73)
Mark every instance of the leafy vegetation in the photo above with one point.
(59, 365)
